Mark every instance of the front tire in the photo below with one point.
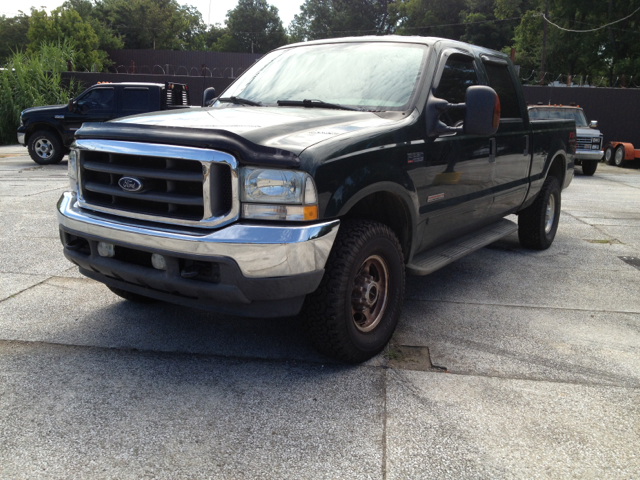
(589, 167)
(354, 312)
(45, 148)
(538, 223)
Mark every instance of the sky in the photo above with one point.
(217, 14)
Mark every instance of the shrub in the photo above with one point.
(32, 80)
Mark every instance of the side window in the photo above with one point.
(500, 80)
(97, 100)
(459, 74)
(135, 99)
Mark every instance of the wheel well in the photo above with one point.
(389, 209)
(557, 169)
(31, 129)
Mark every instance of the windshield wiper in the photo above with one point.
(240, 101)
(315, 104)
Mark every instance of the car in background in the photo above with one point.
(48, 131)
(589, 140)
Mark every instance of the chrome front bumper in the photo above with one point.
(261, 251)
(589, 154)
(21, 138)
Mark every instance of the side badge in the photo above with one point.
(415, 157)
(435, 198)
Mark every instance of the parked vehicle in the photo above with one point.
(47, 132)
(619, 153)
(319, 177)
(589, 140)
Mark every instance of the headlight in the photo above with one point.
(272, 194)
(72, 171)
(21, 121)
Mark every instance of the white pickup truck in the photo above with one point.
(589, 140)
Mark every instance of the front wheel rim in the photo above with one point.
(44, 148)
(550, 214)
(370, 294)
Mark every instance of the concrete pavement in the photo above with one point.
(507, 364)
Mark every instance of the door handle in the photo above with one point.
(492, 150)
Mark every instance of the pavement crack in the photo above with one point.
(517, 305)
(23, 290)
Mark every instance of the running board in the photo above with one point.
(436, 258)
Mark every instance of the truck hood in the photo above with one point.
(288, 128)
(50, 109)
(587, 132)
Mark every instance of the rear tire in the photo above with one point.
(45, 148)
(538, 223)
(354, 312)
(589, 167)
(608, 154)
(132, 297)
(618, 156)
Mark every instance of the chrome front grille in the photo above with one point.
(178, 185)
(585, 143)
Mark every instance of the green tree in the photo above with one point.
(13, 35)
(338, 18)
(253, 26)
(157, 24)
(66, 24)
(107, 38)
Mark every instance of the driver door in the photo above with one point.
(97, 105)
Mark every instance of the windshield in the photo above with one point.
(559, 114)
(367, 76)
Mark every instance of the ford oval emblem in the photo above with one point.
(130, 184)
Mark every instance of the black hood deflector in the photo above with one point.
(245, 151)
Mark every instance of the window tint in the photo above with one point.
(500, 80)
(458, 75)
(135, 99)
(98, 99)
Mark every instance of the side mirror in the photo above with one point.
(482, 113)
(593, 124)
(481, 116)
(71, 105)
(208, 96)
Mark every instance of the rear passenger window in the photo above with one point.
(500, 80)
(135, 99)
(459, 74)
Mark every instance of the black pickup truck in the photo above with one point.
(48, 131)
(314, 182)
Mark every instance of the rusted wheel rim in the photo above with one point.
(370, 293)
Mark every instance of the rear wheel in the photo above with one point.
(608, 155)
(355, 310)
(618, 156)
(132, 297)
(45, 148)
(589, 167)
(538, 223)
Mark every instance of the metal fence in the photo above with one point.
(181, 63)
